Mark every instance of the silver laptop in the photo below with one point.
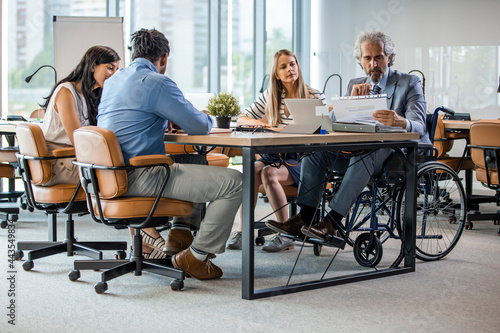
(303, 112)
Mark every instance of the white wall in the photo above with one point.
(415, 26)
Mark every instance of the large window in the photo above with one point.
(454, 83)
(213, 42)
(30, 46)
(278, 28)
(236, 49)
(185, 24)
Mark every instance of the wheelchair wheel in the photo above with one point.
(360, 220)
(367, 250)
(440, 198)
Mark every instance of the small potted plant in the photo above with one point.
(223, 107)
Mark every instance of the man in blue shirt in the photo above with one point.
(137, 105)
(406, 108)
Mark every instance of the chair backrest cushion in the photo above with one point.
(484, 133)
(442, 145)
(99, 146)
(32, 143)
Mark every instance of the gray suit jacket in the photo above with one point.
(405, 96)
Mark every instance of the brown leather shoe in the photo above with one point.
(177, 240)
(290, 227)
(320, 229)
(201, 270)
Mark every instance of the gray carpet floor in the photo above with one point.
(460, 293)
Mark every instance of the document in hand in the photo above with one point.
(355, 114)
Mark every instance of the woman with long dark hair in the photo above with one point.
(73, 103)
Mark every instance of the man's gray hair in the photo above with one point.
(375, 36)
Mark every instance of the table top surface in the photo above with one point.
(458, 124)
(246, 139)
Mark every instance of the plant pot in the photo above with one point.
(223, 122)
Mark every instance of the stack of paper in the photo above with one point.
(355, 114)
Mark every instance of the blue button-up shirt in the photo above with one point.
(136, 104)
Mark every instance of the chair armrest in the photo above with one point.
(64, 152)
(151, 159)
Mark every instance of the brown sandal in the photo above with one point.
(155, 254)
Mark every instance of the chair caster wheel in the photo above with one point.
(120, 254)
(469, 226)
(317, 249)
(14, 218)
(3, 224)
(74, 275)
(259, 240)
(18, 255)
(177, 285)
(100, 287)
(28, 265)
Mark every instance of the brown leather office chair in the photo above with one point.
(8, 204)
(485, 153)
(104, 178)
(8, 198)
(36, 170)
(443, 142)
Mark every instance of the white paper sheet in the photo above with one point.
(358, 108)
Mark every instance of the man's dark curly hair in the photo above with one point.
(149, 44)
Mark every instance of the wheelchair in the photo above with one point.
(378, 213)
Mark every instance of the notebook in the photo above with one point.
(305, 118)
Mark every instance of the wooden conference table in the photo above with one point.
(458, 125)
(256, 143)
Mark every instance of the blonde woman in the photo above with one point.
(269, 110)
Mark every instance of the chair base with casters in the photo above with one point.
(70, 246)
(136, 264)
(476, 215)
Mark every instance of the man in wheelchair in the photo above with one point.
(375, 52)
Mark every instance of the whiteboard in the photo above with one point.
(74, 35)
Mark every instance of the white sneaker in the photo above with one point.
(278, 244)
(234, 242)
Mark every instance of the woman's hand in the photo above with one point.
(249, 121)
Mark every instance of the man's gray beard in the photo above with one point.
(376, 81)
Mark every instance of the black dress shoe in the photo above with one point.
(292, 226)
